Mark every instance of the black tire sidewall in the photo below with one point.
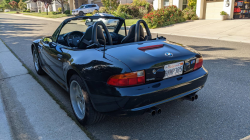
(88, 105)
(40, 70)
(81, 13)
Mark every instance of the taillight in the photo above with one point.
(127, 79)
(198, 63)
(150, 47)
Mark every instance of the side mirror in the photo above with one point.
(52, 45)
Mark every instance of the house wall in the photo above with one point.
(157, 4)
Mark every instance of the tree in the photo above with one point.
(13, 4)
(46, 3)
(192, 4)
(110, 4)
(21, 5)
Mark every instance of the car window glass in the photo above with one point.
(122, 30)
(110, 23)
(81, 7)
(56, 33)
(74, 25)
(93, 5)
(86, 6)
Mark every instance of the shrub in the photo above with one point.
(136, 9)
(140, 3)
(67, 12)
(95, 11)
(60, 9)
(110, 4)
(89, 14)
(142, 11)
(192, 4)
(190, 14)
(223, 13)
(28, 10)
(122, 15)
(102, 10)
(129, 9)
(54, 13)
(163, 17)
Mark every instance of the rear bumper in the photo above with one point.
(138, 99)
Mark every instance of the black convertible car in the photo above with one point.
(108, 70)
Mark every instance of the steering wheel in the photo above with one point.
(94, 35)
(137, 30)
(73, 38)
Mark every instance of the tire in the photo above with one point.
(37, 63)
(81, 13)
(81, 103)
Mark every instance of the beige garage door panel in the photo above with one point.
(213, 10)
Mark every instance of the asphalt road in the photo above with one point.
(221, 112)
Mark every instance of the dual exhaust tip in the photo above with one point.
(191, 97)
(154, 110)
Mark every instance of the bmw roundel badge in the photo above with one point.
(169, 54)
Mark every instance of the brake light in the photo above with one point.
(150, 47)
(198, 63)
(127, 79)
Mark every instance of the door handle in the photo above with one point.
(59, 56)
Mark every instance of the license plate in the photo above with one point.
(173, 69)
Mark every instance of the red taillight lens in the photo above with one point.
(127, 79)
(198, 63)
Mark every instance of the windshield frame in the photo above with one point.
(118, 27)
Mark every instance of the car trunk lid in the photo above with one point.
(152, 56)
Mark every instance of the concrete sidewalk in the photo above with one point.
(26, 109)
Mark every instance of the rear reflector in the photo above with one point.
(150, 47)
(198, 63)
(127, 79)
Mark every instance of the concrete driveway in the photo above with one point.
(228, 30)
(221, 112)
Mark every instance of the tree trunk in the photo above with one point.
(62, 6)
(47, 11)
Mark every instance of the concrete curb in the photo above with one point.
(30, 111)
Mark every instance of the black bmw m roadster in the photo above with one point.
(107, 70)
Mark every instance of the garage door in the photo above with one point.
(213, 9)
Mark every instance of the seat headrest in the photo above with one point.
(141, 32)
(100, 35)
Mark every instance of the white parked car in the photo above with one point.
(107, 22)
(86, 8)
(7, 10)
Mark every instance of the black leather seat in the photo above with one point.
(86, 39)
(131, 35)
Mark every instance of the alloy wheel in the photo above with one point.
(77, 99)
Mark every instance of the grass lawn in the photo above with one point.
(44, 14)
(11, 12)
(130, 22)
